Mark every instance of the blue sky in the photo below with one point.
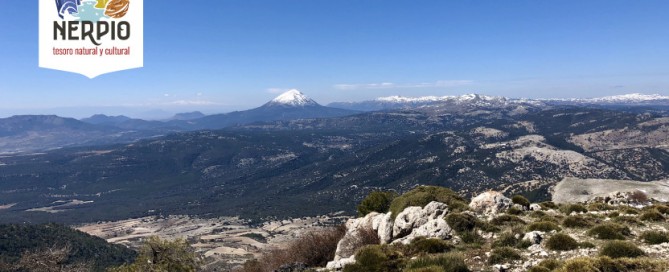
(218, 56)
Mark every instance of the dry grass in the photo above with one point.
(313, 249)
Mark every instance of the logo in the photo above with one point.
(93, 11)
(91, 37)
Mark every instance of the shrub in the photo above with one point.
(614, 214)
(620, 249)
(663, 209)
(577, 221)
(652, 215)
(561, 242)
(507, 239)
(449, 262)
(423, 195)
(487, 226)
(551, 264)
(538, 214)
(655, 237)
(628, 220)
(548, 205)
(638, 197)
(538, 269)
(582, 264)
(471, 237)
(586, 244)
(544, 226)
(422, 245)
(312, 249)
(628, 210)
(47, 260)
(606, 264)
(577, 208)
(514, 211)
(609, 231)
(461, 222)
(506, 219)
(503, 254)
(520, 200)
(376, 201)
(376, 258)
(598, 206)
(162, 255)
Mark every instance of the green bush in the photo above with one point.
(551, 264)
(449, 262)
(571, 208)
(471, 237)
(514, 211)
(561, 242)
(620, 249)
(606, 264)
(609, 231)
(577, 221)
(505, 219)
(520, 200)
(503, 254)
(422, 245)
(432, 268)
(376, 258)
(507, 239)
(423, 195)
(548, 205)
(544, 226)
(538, 269)
(598, 206)
(652, 216)
(163, 255)
(376, 201)
(655, 237)
(461, 222)
(586, 244)
(628, 220)
(628, 210)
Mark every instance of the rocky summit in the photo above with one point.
(494, 232)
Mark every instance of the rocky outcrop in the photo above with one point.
(356, 229)
(534, 237)
(411, 223)
(427, 222)
(490, 203)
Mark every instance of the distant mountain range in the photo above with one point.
(38, 133)
(291, 105)
(478, 100)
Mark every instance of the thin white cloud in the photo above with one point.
(191, 103)
(390, 85)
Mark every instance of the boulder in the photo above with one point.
(338, 265)
(385, 228)
(535, 237)
(490, 203)
(354, 234)
(407, 220)
(535, 207)
(434, 228)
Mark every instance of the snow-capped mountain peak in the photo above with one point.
(428, 99)
(634, 97)
(293, 98)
